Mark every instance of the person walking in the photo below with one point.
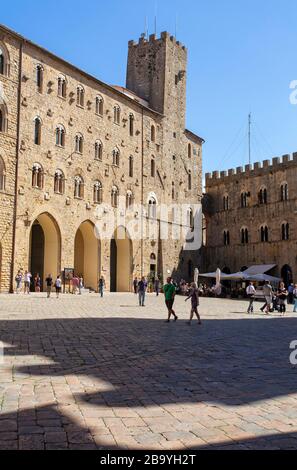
(37, 283)
(135, 285)
(157, 286)
(141, 291)
(282, 295)
(58, 286)
(49, 283)
(18, 281)
(295, 298)
(290, 294)
(27, 282)
(250, 292)
(80, 284)
(101, 286)
(267, 291)
(75, 284)
(194, 296)
(169, 292)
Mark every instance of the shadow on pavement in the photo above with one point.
(148, 362)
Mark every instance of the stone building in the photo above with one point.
(71, 144)
(251, 217)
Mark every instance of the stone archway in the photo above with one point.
(86, 255)
(121, 268)
(287, 274)
(45, 247)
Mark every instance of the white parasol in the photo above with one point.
(218, 287)
(196, 276)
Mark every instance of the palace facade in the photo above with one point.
(251, 217)
(70, 144)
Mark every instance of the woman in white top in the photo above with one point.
(58, 285)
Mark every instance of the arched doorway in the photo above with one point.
(287, 274)
(45, 247)
(153, 266)
(86, 255)
(121, 261)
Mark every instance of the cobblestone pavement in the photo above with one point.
(88, 373)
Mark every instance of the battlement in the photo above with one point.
(257, 169)
(165, 36)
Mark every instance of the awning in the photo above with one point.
(260, 269)
(252, 274)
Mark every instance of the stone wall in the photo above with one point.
(270, 176)
(9, 85)
(65, 213)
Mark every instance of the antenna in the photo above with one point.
(250, 123)
(175, 25)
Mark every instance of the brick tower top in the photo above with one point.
(156, 72)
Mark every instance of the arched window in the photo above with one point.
(131, 124)
(3, 118)
(2, 174)
(59, 182)
(189, 150)
(62, 86)
(285, 231)
(60, 136)
(284, 192)
(244, 236)
(37, 130)
(190, 218)
(173, 190)
(99, 105)
(116, 157)
(117, 114)
(39, 78)
(263, 196)
(114, 196)
(153, 168)
(226, 237)
(98, 150)
(97, 192)
(78, 187)
(37, 176)
(129, 199)
(80, 96)
(189, 180)
(264, 234)
(226, 203)
(79, 143)
(244, 199)
(131, 166)
(4, 61)
(153, 133)
(152, 208)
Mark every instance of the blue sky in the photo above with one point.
(242, 58)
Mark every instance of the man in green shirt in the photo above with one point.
(169, 291)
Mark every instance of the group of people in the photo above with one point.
(170, 290)
(275, 300)
(25, 280)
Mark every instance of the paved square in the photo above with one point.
(83, 372)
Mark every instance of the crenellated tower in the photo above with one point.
(156, 72)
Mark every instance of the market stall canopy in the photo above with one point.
(259, 269)
(254, 273)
